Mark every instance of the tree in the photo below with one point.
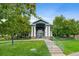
(16, 18)
(65, 27)
(57, 25)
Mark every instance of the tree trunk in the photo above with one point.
(67, 35)
(12, 38)
(73, 36)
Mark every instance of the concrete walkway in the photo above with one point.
(53, 48)
(74, 54)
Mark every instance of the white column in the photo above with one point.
(34, 31)
(49, 31)
(31, 31)
(45, 31)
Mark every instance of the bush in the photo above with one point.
(5, 37)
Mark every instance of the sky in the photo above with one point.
(48, 11)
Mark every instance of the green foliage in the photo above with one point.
(57, 25)
(16, 18)
(65, 27)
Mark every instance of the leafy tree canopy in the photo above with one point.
(14, 18)
(63, 26)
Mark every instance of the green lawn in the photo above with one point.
(68, 46)
(23, 48)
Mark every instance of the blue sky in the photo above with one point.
(49, 10)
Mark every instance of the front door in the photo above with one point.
(40, 34)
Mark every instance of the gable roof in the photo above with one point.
(39, 21)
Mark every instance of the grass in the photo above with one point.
(23, 48)
(68, 46)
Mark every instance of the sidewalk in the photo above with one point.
(74, 54)
(53, 48)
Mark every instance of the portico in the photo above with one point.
(40, 29)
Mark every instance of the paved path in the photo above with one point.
(74, 54)
(53, 48)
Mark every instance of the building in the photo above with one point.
(41, 29)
